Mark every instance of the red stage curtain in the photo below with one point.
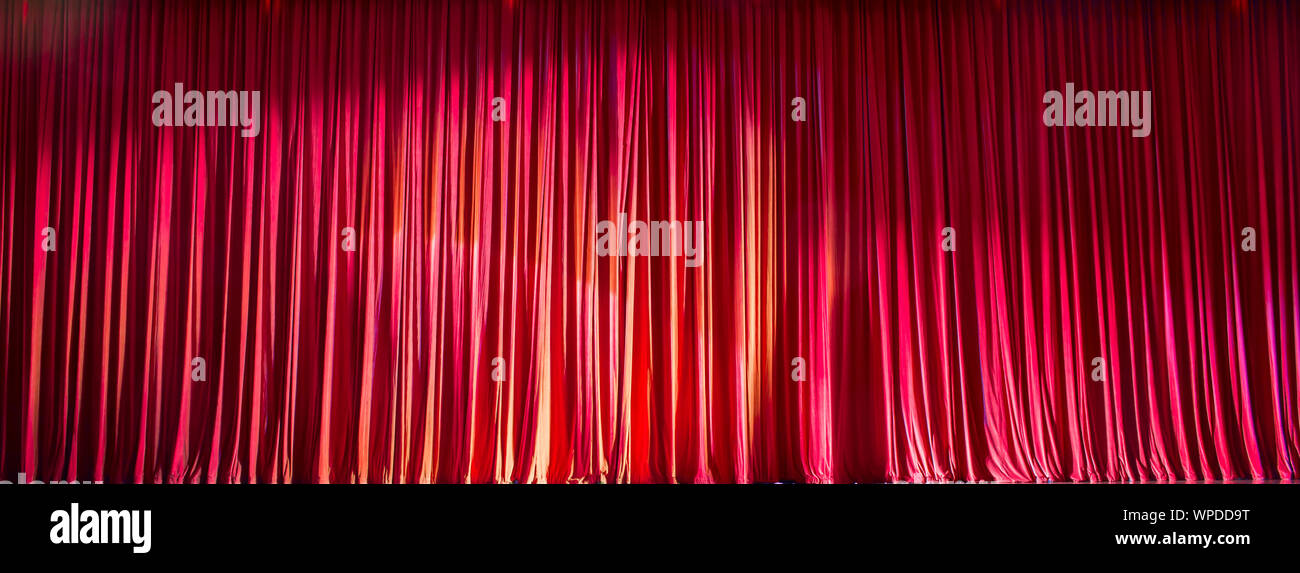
(475, 240)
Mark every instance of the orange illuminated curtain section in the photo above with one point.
(398, 279)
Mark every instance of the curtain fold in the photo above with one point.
(1099, 318)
